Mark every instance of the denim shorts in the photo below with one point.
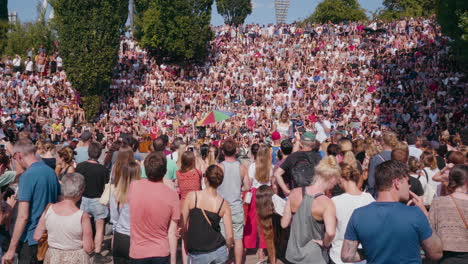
(219, 256)
(94, 208)
(237, 224)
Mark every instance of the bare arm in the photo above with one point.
(279, 178)
(245, 178)
(349, 251)
(20, 225)
(329, 217)
(88, 243)
(433, 247)
(227, 220)
(41, 227)
(287, 215)
(173, 241)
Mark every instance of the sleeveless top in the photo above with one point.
(230, 189)
(64, 232)
(204, 236)
(188, 181)
(304, 228)
(61, 174)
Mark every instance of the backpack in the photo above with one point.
(429, 191)
(303, 171)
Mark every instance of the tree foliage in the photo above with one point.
(396, 9)
(3, 23)
(21, 37)
(337, 11)
(234, 12)
(178, 29)
(452, 15)
(89, 34)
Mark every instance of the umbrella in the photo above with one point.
(215, 116)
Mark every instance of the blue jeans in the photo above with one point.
(94, 208)
(219, 256)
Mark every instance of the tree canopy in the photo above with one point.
(3, 23)
(177, 29)
(395, 9)
(452, 15)
(337, 11)
(89, 34)
(234, 12)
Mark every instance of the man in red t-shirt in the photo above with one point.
(155, 213)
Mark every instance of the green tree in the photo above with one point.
(178, 29)
(452, 15)
(396, 9)
(23, 36)
(3, 23)
(89, 34)
(337, 11)
(234, 12)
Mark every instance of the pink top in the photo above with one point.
(153, 205)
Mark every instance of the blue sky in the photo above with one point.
(263, 10)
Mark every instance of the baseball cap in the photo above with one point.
(86, 136)
(275, 135)
(308, 136)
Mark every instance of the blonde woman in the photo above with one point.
(430, 169)
(125, 155)
(345, 205)
(120, 211)
(313, 216)
(260, 172)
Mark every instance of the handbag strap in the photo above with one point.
(460, 212)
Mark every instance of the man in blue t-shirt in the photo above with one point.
(38, 186)
(388, 230)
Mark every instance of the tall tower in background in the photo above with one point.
(281, 8)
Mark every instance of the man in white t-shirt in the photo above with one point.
(322, 126)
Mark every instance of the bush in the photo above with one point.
(91, 106)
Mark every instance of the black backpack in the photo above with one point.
(303, 171)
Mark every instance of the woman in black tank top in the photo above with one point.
(201, 214)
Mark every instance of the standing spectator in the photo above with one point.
(389, 141)
(449, 217)
(96, 177)
(388, 228)
(17, 64)
(64, 162)
(155, 213)
(307, 156)
(82, 148)
(430, 169)
(313, 216)
(202, 212)
(345, 204)
(38, 186)
(120, 211)
(235, 181)
(276, 137)
(260, 172)
(70, 235)
(414, 151)
(171, 167)
(188, 177)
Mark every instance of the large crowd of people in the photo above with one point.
(346, 143)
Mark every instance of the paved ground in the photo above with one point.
(250, 259)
